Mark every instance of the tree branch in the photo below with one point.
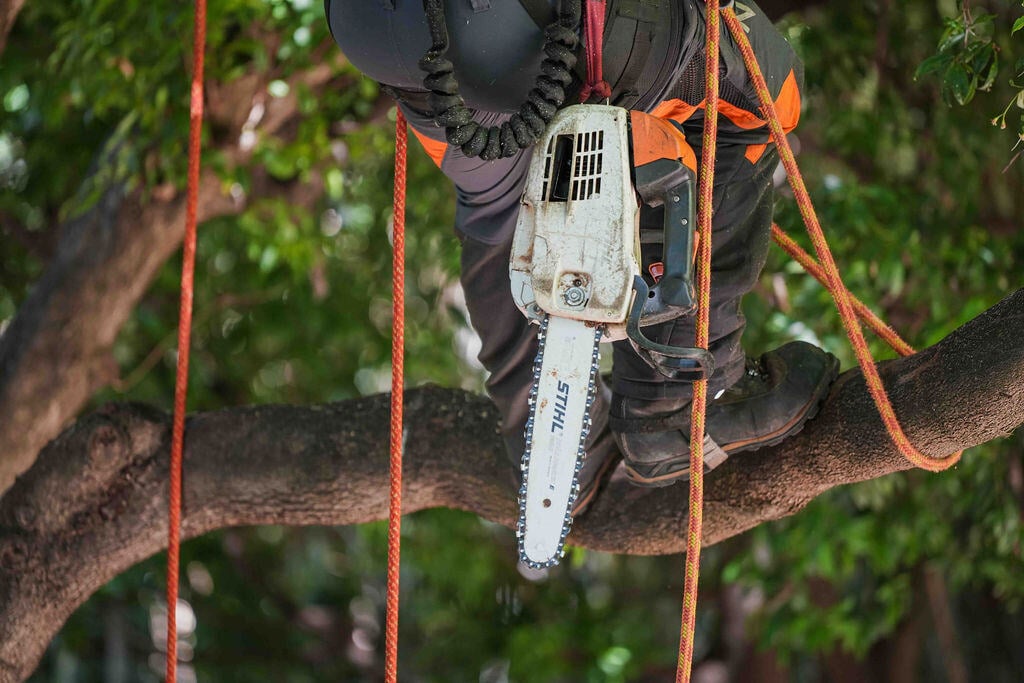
(9, 10)
(56, 352)
(94, 503)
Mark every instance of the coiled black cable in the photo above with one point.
(561, 39)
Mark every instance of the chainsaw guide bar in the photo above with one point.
(564, 385)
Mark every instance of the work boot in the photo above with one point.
(776, 395)
(602, 455)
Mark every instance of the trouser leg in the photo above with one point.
(509, 342)
(741, 227)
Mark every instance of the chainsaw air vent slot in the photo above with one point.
(573, 166)
(586, 176)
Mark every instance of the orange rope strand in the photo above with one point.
(831, 273)
(184, 338)
(705, 206)
(888, 335)
(397, 384)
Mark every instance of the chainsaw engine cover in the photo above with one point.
(576, 247)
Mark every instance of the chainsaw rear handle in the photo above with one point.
(668, 183)
(678, 363)
(664, 171)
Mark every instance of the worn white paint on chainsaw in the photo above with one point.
(575, 255)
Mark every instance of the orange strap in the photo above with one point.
(397, 385)
(184, 337)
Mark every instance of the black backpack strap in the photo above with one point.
(630, 36)
(540, 11)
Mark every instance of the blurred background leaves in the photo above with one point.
(912, 577)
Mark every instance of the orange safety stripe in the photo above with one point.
(677, 110)
(655, 138)
(435, 149)
(787, 104)
(754, 152)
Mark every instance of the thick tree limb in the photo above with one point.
(94, 503)
(55, 354)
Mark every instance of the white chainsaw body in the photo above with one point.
(576, 246)
(574, 257)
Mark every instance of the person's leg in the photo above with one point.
(509, 347)
(739, 248)
(487, 196)
(759, 403)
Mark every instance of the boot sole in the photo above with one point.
(791, 428)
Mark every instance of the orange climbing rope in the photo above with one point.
(833, 281)
(184, 338)
(397, 384)
(808, 263)
(705, 205)
(825, 271)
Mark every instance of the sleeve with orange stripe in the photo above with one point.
(435, 149)
(740, 119)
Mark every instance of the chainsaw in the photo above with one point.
(578, 271)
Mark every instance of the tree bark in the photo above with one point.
(94, 502)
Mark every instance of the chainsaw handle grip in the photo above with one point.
(670, 183)
(678, 363)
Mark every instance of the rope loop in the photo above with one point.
(827, 264)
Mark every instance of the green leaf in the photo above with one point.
(960, 83)
(1017, 25)
(934, 64)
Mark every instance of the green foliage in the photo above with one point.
(292, 305)
(967, 61)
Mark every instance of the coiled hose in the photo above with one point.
(524, 128)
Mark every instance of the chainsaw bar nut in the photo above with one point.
(575, 296)
(575, 289)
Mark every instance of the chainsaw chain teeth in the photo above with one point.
(580, 453)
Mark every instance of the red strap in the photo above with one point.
(594, 44)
